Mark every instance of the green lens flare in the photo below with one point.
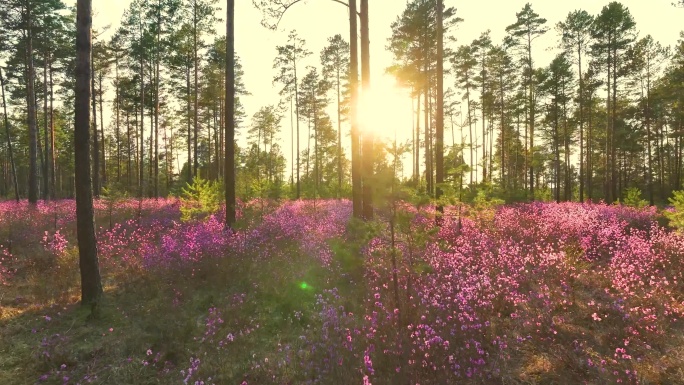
(304, 285)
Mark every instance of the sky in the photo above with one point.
(317, 20)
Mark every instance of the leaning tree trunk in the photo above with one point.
(91, 285)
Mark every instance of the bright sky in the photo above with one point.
(316, 20)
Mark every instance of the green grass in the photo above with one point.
(165, 311)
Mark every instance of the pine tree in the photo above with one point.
(575, 34)
(613, 32)
(287, 62)
(335, 61)
(528, 26)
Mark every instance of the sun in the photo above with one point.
(384, 109)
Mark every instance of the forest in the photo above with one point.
(518, 220)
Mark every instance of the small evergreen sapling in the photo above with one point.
(200, 199)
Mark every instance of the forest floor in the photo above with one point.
(537, 293)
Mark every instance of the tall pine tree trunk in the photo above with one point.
(581, 123)
(117, 108)
(230, 115)
(368, 161)
(31, 104)
(195, 90)
(102, 133)
(91, 285)
(417, 140)
(439, 141)
(532, 115)
(9, 139)
(129, 169)
(53, 161)
(357, 193)
(46, 139)
(339, 138)
(96, 145)
(294, 66)
(649, 160)
(189, 122)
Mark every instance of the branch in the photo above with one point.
(283, 13)
(285, 7)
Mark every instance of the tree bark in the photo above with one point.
(102, 133)
(31, 104)
(439, 141)
(9, 139)
(357, 196)
(230, 115)
(46, 156)
(117, 107)
(368, 161)
(91, 285)
(195, 90)
(96, 143)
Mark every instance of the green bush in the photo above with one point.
(200, 199)
(485, 201)
(676, 215)
(633, 198)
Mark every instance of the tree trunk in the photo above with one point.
(417, 160)
(230, 115)
(439, 141)
(196, 89)
(532, 115)
(613, 153)
(156, 128)
(91, 285)
(426, 121)
(339, 138)
(130, 150)
(609, 130)
(9, 139)
(294, 65)
(53, 161)
(46, 140)
(368, 161)
(31, 104)
(117, 108)
(590, 149)
(648, 140)
(357, 196)
(470, 130)
(503, 132)
(581, 122)
(188, 94)
(96, 145)
(102, 133)
(156, 105)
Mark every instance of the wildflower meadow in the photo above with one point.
(300, 293)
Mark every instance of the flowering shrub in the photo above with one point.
(517, 293)
(526, 284)
(6, 266)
